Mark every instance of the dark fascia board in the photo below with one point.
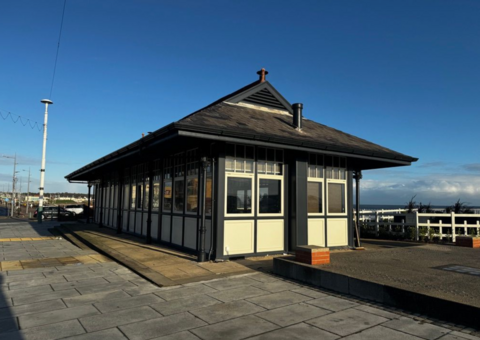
(265, 85)
(292, 142)
(147, 141)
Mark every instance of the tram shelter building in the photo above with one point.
(247, 175)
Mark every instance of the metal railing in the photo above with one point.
(425, 225)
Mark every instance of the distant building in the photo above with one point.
(274, 179)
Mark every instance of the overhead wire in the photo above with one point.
(58, 48)
(23, 121)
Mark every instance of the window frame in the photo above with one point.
(250, 176)
(282, 192)
(317, 180)
(337, 181)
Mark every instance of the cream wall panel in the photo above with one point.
(190, 239)
(177, 230)
(316, 232)
(270, 235)
(114, 219)
(238, 237)
(154, 226)
(166, 228)
(337, 233)
(132, 221)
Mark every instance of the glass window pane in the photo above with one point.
(229, 164)
(249, 152)
(231, 150)
(279, 156)
(278, 169)
(208, 197)
(249, 166)
(126, 196)
(167, 196)
(314, 197)
(134, 199)
(156, 196)
(270, 155)
(192, 195)
(319, 171)
(179, 196)
(239, 195)
(336, 198)
(261, 167)
(261, 154)
(239, 165)
(145, 203)
(270, 196)
(240, 151)
(139, 196)
(311, 171)
(269, 168)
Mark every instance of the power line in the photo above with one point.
(58, 48)
(24, 121)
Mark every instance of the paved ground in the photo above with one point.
(430, 269)
(104, 300)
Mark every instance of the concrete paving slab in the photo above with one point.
(315, 294)
(179, 336)
(32, 308)
(125, 303)
(460, 336)
(237, 293)
(380, 332)
(231, 283)
(140, 290)
(378, 311)
(289, 315)
(238, 328)
(118, 318)
(8, 325)
(27, 291)
(184, 304)
(277, 300)
(48, 332)
(108, 287)
(96, 297)
(420, 329)
(161, 326)
(333, 303)
(79, 284)
(181, 292)
(45, 297)
(226, 311)
(45, 318)
(346, 322)
(300, 331)
(275, 287)
(107, 334)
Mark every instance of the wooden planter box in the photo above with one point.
(468, 241)
(312, 255)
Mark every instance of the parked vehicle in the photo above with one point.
(52, 212)
(76, 209)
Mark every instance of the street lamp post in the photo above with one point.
(42, 170)
(28, 191)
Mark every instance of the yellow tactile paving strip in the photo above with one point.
(52, 262)
(23, 239)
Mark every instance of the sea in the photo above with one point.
(399, 206)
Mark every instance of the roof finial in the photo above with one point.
(262, 73)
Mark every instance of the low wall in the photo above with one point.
(399, 298)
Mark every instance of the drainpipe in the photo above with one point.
(102, 189)
(202, 254)
(119, 202)
(212, 221)
(358, 176)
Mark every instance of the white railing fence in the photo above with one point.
(418, 226)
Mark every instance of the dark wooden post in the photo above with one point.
(203, 230)
(358, 176)
(102, 190)
(88, 202)
(150, 197)
(119, 203)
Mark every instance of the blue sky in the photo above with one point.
(403, 74)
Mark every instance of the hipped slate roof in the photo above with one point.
(257, 112)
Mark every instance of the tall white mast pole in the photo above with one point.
(42, 170)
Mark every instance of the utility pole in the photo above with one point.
(28, 192)
(42, 170)
(13, 182)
